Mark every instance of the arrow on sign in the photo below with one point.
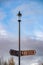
(22, 53)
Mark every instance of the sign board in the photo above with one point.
(28, 52)
(22, 53)
(13, 52)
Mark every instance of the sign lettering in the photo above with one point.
(22, 53)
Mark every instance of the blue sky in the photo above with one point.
(32, 17)
(31, 28)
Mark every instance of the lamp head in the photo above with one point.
(19, 16)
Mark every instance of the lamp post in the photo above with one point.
(19, 20)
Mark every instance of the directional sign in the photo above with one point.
(13, 52)
(22, 53)
(28, 52)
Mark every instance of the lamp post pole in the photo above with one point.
(19, 20)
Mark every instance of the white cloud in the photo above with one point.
(38, 34)
(35, 64)
(3, 32)
(7, 44)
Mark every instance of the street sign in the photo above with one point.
(22, 53)
(28, 52)
(13, 52)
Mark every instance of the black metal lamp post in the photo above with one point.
(19, 20)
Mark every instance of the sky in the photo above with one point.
(31, 28)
